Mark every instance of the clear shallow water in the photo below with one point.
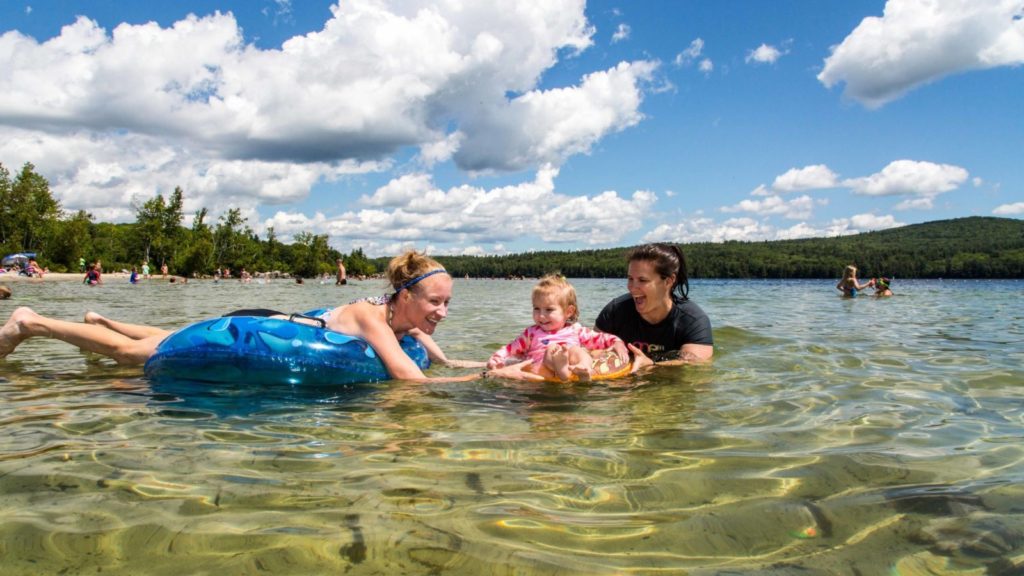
(829, 436)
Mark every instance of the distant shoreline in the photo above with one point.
(80, 277)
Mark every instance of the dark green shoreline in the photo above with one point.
(973, 247)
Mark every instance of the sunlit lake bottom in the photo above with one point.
(829, 436)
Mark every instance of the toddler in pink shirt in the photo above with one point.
(556, 340)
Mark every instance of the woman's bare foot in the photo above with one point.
(15, 330)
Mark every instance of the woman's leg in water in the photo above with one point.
(133, 331)
(24, 323)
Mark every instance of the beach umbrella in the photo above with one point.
(19, 259)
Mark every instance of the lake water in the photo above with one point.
(829, 436)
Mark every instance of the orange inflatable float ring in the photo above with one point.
(606, 367)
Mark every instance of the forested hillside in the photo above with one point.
(975, 247)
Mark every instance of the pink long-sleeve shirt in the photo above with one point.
(534, 341)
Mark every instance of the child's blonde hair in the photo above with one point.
(849, 272)
(557, 285)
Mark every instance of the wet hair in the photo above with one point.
(883, 282)
(409, 268)
(668, 260)
(557, 285)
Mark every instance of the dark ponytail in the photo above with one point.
(667, 259)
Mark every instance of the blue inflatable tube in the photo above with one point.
(266, 351)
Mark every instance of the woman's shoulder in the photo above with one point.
(689, 308)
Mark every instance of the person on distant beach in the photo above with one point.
(341, 278)
(33, 270)
(556, 340)
(881, 285)
(849, 285)
(145, 269)
(244, 276)
(133, 278)
(92, 275)
(422, 291)
(81, 264)
(656, 319)
(163, 270)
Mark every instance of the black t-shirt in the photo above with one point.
(686, 323)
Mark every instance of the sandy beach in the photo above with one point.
(79, 276)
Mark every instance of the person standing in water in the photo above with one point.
(849, 285)
(342, 279)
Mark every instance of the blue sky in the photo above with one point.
(490, 128)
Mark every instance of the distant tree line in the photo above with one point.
(975, 247)
(31, 219)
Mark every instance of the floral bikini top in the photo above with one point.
(375, 300)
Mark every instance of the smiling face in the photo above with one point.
(548, 311)
(426, 304)
(651, 293)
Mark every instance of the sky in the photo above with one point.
(464, 127)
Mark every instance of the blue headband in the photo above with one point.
(419, 278)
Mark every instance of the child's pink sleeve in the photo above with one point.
(594, 340)
(517, 347)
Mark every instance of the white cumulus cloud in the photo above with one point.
(764, 54)
(621, 33)
(795, 209)
(916, 42)
(817, 177)
(704, 229)
(910, 178)
(691, 53)
(410, 209)
(547, 126)
(112, 115)
(1009, 209)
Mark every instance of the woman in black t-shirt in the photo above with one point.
(657, 317)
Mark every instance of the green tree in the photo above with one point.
(73, 240)
(311, 254)
(356, 264)
(198, 252)
(157, 229)
(28, 211)
(7, 243)
(235, 244)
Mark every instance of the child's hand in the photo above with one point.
(495, 363)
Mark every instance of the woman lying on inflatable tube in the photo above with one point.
(422, 291)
